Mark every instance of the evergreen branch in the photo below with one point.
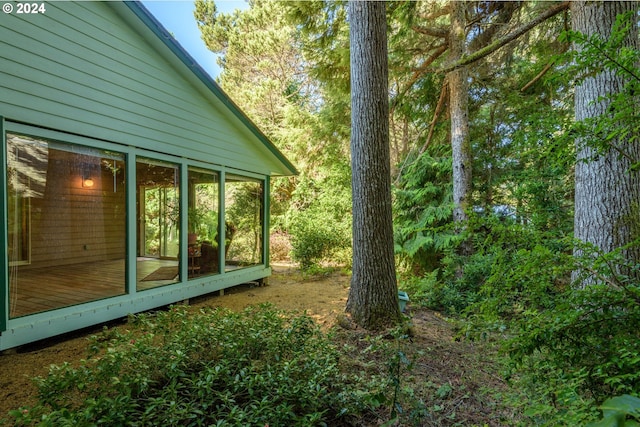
(435, 32)
(436, 115)
(436, 14)
(442, 48)
(481, 53)
(418, 73)
(538, 76)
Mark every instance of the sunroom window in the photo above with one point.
(66, 227)
(244, 216)
(203, 222)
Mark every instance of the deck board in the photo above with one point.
(35, 290)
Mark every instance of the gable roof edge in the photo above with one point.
(158, 29)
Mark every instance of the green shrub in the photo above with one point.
(260, 367)
(459, 281)
(313, 240)
(443, 290)
(319, 220)
(462, 281)
(317, 236)
(569, 347)
(423, 213)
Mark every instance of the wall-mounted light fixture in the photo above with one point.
(87, 182)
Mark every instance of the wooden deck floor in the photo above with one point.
(35, 290)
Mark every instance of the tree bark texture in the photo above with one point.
(373, 297)
(607, 192)
(459, 113)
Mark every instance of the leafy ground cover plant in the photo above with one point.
(620, 411)
(215, 367)
(569, 348)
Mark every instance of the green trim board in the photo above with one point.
(131, 222)
(4, 263)
(221, 228)
(266, 203)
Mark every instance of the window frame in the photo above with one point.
(131, 154)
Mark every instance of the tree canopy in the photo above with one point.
(530, 103)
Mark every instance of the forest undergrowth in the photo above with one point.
(234, 361)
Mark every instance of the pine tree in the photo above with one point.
(373, 297)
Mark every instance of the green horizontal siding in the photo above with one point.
(81, 68)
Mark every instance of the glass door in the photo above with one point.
(160, 222)
(158, 213)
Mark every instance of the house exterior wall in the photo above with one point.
(98, 75)
(80, 68)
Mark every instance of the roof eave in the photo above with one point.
(158, 29)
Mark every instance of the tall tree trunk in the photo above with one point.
(373, 297)
(607, 192)
(459, 112)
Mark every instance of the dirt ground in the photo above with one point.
(439, 360)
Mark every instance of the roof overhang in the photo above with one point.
(142, 20)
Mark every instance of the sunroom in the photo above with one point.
(131, 181)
